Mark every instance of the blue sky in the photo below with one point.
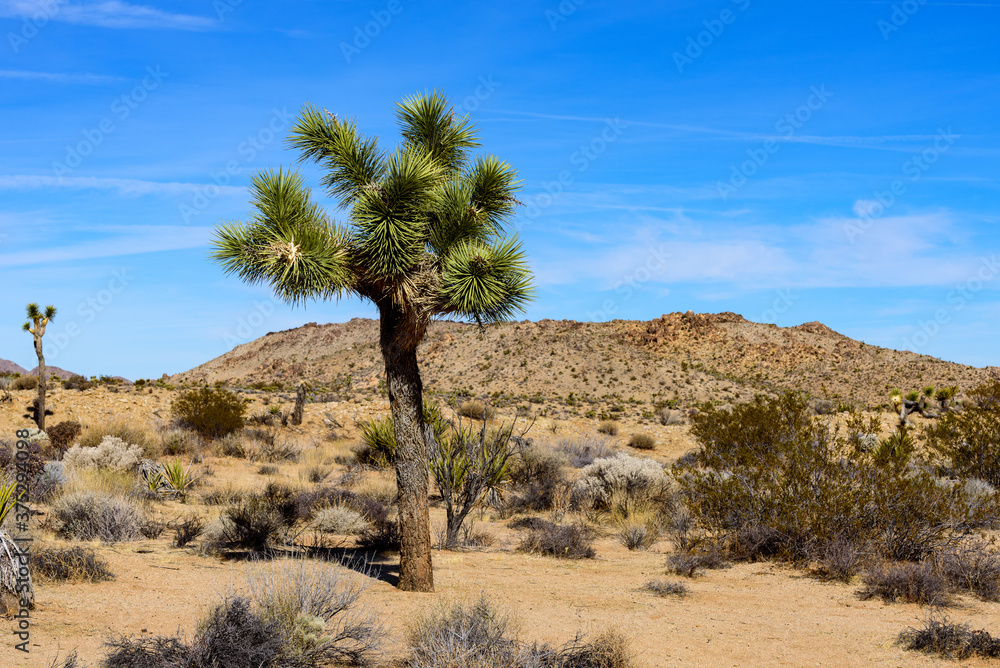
(789, 161)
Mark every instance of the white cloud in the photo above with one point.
(57, 77)
(110, 14)
(127, 187)
(137, 240)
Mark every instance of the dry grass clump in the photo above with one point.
(690, 561)
(187, 530)
(642, 442)
(250, 524)
(971, 566)
(480, 636)
(126, 430)
(476, 409)
(90, 515)
(68, 564)
(562, 541)
(340, 520)
(664, 588)
(537, 479)
(584, 450)
(907, 582)
(948, 640)
(637, 535)
(609, 427)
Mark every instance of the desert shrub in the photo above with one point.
(24, 383)
(637, 536)
(267, 469)
(669, 417)
(642, 442)
(905, 581)
(584, 450)
(154, 652)
(316, 604)
(475, 636)
(971, 566)
(150, 527)
(72, 660)
(76, 382)
(665, 588)
(340, 520)
(469, 536)
(212, 412)
(690, 561)
(948, 640)
(48, 483)
(29, 465)
(476, 410)
(840, 560)
(234, 636)
(111, 453)
(609, 427)
(224, 496)
(68, 564)
(824, 406)
(309, 502)
(268, 445)
(609, 649)
(554, 540)
(775, 485)
(249, 524)
(62, 435)
(232, 444)
(175, 442)
(87, 515)
(970, 440)
(187, 530)
(617, 480)
(529, 523)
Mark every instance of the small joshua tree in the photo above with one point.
(36, 327)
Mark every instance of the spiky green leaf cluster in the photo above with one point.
(426, 222)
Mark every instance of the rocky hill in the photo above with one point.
(679, 357)
(6, 366)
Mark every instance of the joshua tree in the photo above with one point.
(36, 327)
(426, 236)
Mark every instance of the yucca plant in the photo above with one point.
(8, 499)
(36, 327)
(944, 395)
(426, 235)
(179, 477)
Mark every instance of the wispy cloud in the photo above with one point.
(57, 77)
(127, 187)
(136, 240)
(110, 14)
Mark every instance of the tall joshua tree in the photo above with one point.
(36, 327)
(426, 236)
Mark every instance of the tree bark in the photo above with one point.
(300, 404)
(399, 350)
(40, 413)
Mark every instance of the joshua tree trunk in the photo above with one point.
(300, 404)
(399, 336)
(40, 413)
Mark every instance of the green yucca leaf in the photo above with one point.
(487, 282)
(428, 122)
(8, 499)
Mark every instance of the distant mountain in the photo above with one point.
(53, 372)
(6, 366)
(687, 357)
